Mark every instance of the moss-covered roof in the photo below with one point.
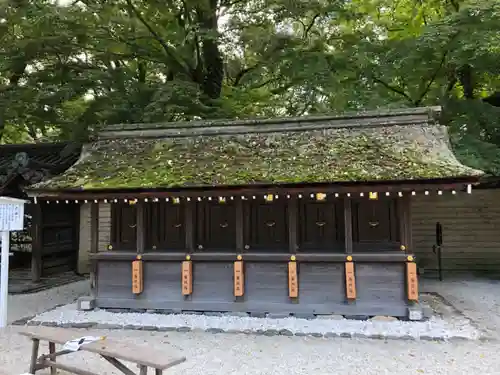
(325, 152)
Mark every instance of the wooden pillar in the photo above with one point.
(292, 225)
(189, 225)
(94, 245)
(140, 227)
(36, 241)
(348, 225)
(404, 216)
(240, 236)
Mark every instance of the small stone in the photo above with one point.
(406, 338)
(331, 335)
(304, 316)
(166, 312)
(257, 315)
(108, 326)
(131, 327)
(377, 337)
(151, 311)
(214, 330)
(259, 332)
(192, 313)
(330, 317)
(183, 329)
(415, 313)
(300, 334)
(234, 331)
(85, 303)
(213, 313)
(84, 325)
(271, 332)
(316, 334)
(118, 311)
(285, 332)
(237, 314)
(358, 335)
(66, 325)
(383, 318)
(137, 311)
(149, 328)
(357, 317)
(49, 324)
(346, 335)
(278, 315)
(33, 323)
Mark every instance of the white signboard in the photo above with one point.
(11, 219)
(11, 216)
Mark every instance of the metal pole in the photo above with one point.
(4, 279)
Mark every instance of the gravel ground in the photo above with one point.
(435, 328)
(225, 354)
(477, 299)
(27, 305)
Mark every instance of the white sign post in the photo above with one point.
(11, 219)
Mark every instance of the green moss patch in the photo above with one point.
(334, 155)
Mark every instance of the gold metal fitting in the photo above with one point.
(410, 258)
(138, 257)
(403, 247)
(239, 257)
(188, 257)
(349, 258)
(293, 258)
(110, 247)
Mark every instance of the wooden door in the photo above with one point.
(124, 227)
(375, 225)
(215, 226)
(320, 226)
(266, 225)
(59, 238)
(165, 226)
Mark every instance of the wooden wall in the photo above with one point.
(471, 230)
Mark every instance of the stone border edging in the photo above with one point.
(269, 332)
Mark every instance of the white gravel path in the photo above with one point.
(231, 354)
(224, 354)
(435, 328)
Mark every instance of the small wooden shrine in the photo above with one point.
(305, 215)
(49, 242)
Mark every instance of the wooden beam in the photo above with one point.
(348, 225)
(36, 241)
(140, 227)
(212, 256)
(353, 188)
(240, 230)
(292, 225)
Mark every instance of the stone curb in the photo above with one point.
(268, 332)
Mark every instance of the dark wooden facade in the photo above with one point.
(49, 242)
(318, 233)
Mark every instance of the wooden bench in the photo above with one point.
(111, 350)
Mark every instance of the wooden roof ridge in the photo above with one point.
(366, 119)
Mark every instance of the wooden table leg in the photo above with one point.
(143, 370)
(52, 350)
(34, 355)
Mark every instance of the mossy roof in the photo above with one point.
(326, 151)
